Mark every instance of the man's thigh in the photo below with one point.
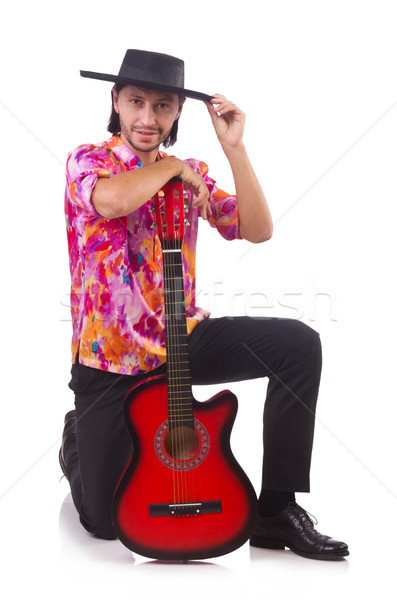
(231, 349)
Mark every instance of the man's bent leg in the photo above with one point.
(286, 351)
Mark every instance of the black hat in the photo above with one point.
(151, 70)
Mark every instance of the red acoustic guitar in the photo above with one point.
(183, 495)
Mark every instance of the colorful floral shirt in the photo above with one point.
(117, 299)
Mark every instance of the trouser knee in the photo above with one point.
(302, 342)
(101, 527)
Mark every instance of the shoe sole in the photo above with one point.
(270, 544)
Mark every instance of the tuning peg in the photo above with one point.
(185, 200)
(186, 222)
(153, 225)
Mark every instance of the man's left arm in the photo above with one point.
(255, 221)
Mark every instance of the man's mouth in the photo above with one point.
(145, 133)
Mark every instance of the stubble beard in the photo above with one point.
(143, 148)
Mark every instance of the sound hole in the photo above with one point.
(182, 443)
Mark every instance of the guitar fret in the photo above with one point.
(175, 402)
(180, 402)
(176, 322)
(183, 376)
(175, 384)
(169, 351)
(179, 388)
(173, 373)
(183, 387)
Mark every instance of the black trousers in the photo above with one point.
(221, 350)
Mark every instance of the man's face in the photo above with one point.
(146, 117)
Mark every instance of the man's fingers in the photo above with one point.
(226, 106)
(205, 210)
(221, 106)
(201, 202)
(196, 184)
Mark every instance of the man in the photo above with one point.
(118, 315)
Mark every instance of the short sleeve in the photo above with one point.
(84, 165)
(224, 210)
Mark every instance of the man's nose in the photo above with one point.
(147, 116)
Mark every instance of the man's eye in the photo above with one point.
(163, 105)
(134, 101)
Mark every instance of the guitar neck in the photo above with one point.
(178, 373)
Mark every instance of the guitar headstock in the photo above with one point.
(169, 210)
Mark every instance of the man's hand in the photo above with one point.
(196, 184)
(228, 121)
(255, 221)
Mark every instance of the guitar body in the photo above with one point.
(175, 504)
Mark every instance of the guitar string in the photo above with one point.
(173, 269)
(178, 295)
(178, 282)
(175, 357)
(170, 329)
(179, 326)
(175, 404)
(190, 474)
(183, 326)
(171, 326)
(162, 220)
(186, 387)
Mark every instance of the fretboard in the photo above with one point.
(180, 408)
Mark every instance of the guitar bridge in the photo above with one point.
(183, 509)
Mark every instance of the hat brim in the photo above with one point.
(147, 84)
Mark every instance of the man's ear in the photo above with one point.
(115, 101)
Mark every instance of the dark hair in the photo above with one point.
(114, 119)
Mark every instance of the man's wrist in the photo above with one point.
(176, 166)
(235, 152)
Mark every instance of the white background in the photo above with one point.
(317, 80)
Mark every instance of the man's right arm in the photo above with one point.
(125, 192)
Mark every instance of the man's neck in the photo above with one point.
(146, 158)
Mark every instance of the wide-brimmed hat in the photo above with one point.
(151, 70)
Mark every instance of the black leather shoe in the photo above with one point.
(295, 529)
(68, 438)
